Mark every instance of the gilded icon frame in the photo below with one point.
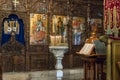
(38, 29)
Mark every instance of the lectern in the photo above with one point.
(93, 60)
(93, 66)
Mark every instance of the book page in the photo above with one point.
(86, 49)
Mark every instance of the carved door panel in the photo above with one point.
(19, 63)
(37, 61)
(7, 63)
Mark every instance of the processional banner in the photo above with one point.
(112, 17)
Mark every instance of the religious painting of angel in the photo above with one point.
(38, 26)
(78, 27)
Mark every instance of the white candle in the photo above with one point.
(114, 14)
(109, 16)
(54, 24)
(53, 41)
(59, 38)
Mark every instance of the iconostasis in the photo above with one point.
(58, 29)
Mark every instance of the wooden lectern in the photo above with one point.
(93, 66)
(93, 63)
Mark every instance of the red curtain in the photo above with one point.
(111, 14)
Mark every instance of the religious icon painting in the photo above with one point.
(97, 22)
(59, 27)
(38, 28)
(96, 25)
(78, 27)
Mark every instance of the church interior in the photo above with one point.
(59, 39)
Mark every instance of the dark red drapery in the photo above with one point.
(111, 13)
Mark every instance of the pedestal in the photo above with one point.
(59, 52)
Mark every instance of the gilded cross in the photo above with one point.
(15, 2)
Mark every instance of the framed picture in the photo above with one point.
(38, 28)
(96, 26)
(97, 22)
(78, 27)
(59, 27)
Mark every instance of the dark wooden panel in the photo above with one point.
(7, 63)
(51, 61)
(37, 61)
(19, 63)
(67, 61)
(13, 63)
(1, 72)
(77, 62)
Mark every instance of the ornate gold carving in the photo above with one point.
(5, 26)
(12, 46)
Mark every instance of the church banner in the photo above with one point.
(112, 17)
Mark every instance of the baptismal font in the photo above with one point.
(58, 44)
(59, 39)
(58, 49)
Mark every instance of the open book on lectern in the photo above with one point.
(86, 49)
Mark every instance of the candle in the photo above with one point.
(52, 39)
(59, 39)
(55, 40)
(109, 16)
(114, 14)
(55, 23)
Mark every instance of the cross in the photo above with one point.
(15, 2)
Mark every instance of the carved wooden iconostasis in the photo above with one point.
(13, 43)
(12, 33)
(40, 19)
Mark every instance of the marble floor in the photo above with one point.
(68, 74)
